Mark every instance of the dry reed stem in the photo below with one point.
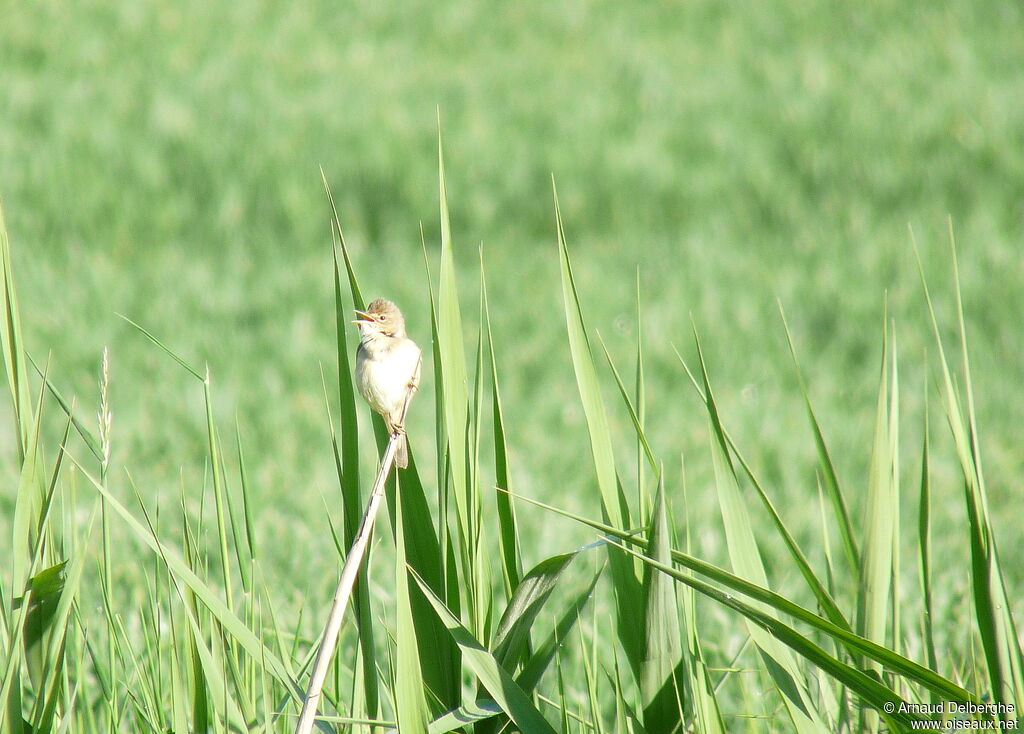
(349, 571)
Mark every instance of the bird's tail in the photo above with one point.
(402, 452)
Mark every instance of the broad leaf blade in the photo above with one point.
(498, 682)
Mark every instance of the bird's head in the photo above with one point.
(381, 318)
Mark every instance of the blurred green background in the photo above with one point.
(161, 160)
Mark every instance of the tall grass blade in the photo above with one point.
(613, 502)
(441, 674)
(52, 633)
(746, 560)
(634, 415)
(924, 537)
(43, 594)
(660, 677)
(999, 637)
(531, 673)
(640, 397)
(819, 589)
(512, 638)
(480, 553)
(166, 349)
(218, 492)
(508, 538)
(876, 578)
(453, 376)
(707, 715)
(13, 346)
(410, 704)
(463, 716)
(28, 529)
(177, 565)
(198, 691)
(353, 499)
(827, 468)
(243, 480)
(91, 441)
(214, 676)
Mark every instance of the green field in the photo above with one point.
(163, 162)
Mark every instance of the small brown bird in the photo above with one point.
(387, 367)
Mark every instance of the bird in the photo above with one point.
(387, 367)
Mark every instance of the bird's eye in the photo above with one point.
(383, 317)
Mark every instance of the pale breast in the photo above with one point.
(383, 376)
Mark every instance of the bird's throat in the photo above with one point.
(377, 344)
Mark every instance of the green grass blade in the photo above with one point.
(746, 560)
(533, 669)
(198, 690)
(480, 553)
(352, 498)
(243, 480)
(1000, 643)
(925, 551)
(613, 503)
(13, 346)
(31, 505)
(589, 658)
(876, 578)
(45, 589)
(353, 283)
(663, 649)
(172, 354)
(453, 377)
(442, 675)
(53, 664)
(871, 691)
(640, 398)
(410, 704)
(704, 703)
(538, 662)
(508, 538)
(347, 458)
(819, 589)
(463, 716)
(221, 511)
(854, 643)
(181, 570)
(1007, 640)
(91, 441)
(825, 464)
(634, 413)
(511, 639)
(589, 387)
(213, 674)
(498, 682)
(895, 606)
(440, 431)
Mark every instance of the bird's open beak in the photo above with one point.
(366, 318)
